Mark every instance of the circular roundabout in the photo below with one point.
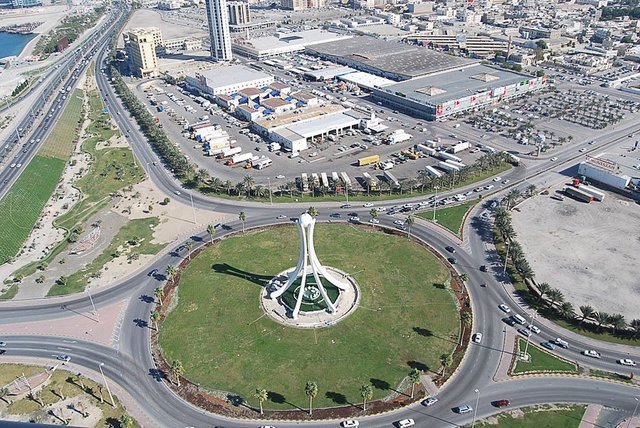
(230, 321)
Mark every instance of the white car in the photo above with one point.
(430, 401)
(477, 338)
(591, 353)
(352, 423)
(368, 205)
(354, 219)
(3, 344)
(534, 329)
(505, 181)
(504, 308)
(406, 423)
(280, 177)
(553, 159)
(627, 362)
(489, 187)
(496, 179)
(374, 221)
(64, 358)
(398, 222)
(381, 209)
(582, 150)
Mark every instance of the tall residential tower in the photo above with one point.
(218, 17)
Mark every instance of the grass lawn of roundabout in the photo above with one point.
(406, 318)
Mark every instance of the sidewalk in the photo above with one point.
(590, 417)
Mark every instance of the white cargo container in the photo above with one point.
(459, 147)
(398, 136)
(391, 179)
(335, 177)
(448, 156)
(431, 143)
(242, 157)
(231, 151)
(448, 167)
(426, 150)
(458, 164)
(324, 179)
(597, 195)
(345, 178)
(262, 163)
(433, 172)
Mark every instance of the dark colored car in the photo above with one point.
(452, 260)
(500, 403)
(509, 321)
(335, 215)
(450, 249)
(483, 268)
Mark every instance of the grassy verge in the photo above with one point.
(133, 239)
(541, 361)
(574, 325)
(10, 292)
(111, 170)
(62, 383)
(539, 417)
(609, 375)
(23, 204)
(451, 217)
(407, 318)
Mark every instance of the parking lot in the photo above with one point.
(588, 251)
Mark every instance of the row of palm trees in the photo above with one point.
(553, 297)
(168, 152)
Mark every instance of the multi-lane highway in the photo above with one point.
(51, 100)
(131, 367)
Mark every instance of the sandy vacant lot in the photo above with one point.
(589, 251)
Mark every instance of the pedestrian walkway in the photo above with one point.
(590, 417)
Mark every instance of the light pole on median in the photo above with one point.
(270, 195)
(95, 312)
(475, 409)
(526, 347)
(435, 203)
(113, 403)
(506, 258)
(634, 411)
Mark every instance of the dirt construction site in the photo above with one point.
(588, 251)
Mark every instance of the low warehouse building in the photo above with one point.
(228, 80)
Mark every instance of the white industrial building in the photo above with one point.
(615, 174)
(283, 43)
(227, 80)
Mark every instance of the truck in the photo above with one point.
(578, 194)
(513, 159)
(448, 167)
(262, 163)
(391, 179)
(459, 147)
(597, 195)
(316, 179)
(335, 177)
(274, 147)
(448, 156)
(370, 182)
(324, 180)
(231, 151)
(398, 136)
(367, 160)
(431, 143)
(239, 158)
(433, 172)
(386, 165)
(458, 164)
(345, 179)
(426, 150)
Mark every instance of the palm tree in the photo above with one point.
(177, 370)
(566, 310)
(635, 325)
(311, 389)
(159, 293)
(247, 184)
(445, 360)
(587, 312)
(211, 230)
(313, 212)
(155, 316)
(531, 190)
(374, 214)
(171, 271)
(125, 421)
(544, 289)
(466, 322)
(618, 322)
(414, 378)
(602, 318)
(410, 221)
(189, 246)
(511, 197)
(4, 392)
(555, 296)
(464, 277)
(261, 395)
(242, 217)
(366, 392)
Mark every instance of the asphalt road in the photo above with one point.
(131, 367)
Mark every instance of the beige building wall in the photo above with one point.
(239, 13)
(142, 51)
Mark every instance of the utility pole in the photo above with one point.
(475, 409)
(113, 403)
(270, 195)
(435, 202)
(193, 208)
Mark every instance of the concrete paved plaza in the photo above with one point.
(589, 251)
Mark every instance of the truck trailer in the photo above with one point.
(391, 179)
(231, 151)
(578, 194)
(345, 179)
(597, 195)
(368, 160)
(433, 172)
(324, 180)
(458, 164)
(398, 136)
(371, 182)
(459, 147)
(426, 150)
(448, 156)
(239, 158)
(448, 167)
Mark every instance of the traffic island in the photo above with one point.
(213, 327)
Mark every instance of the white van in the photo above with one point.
(519, 319)
(561, 342)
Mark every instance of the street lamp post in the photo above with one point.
(193, 209)
(435, 202)
(270, 195)
(634, 411)
(526, 347)
(475, 409)
(95, 312)
(113, 403)
(506, 258)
